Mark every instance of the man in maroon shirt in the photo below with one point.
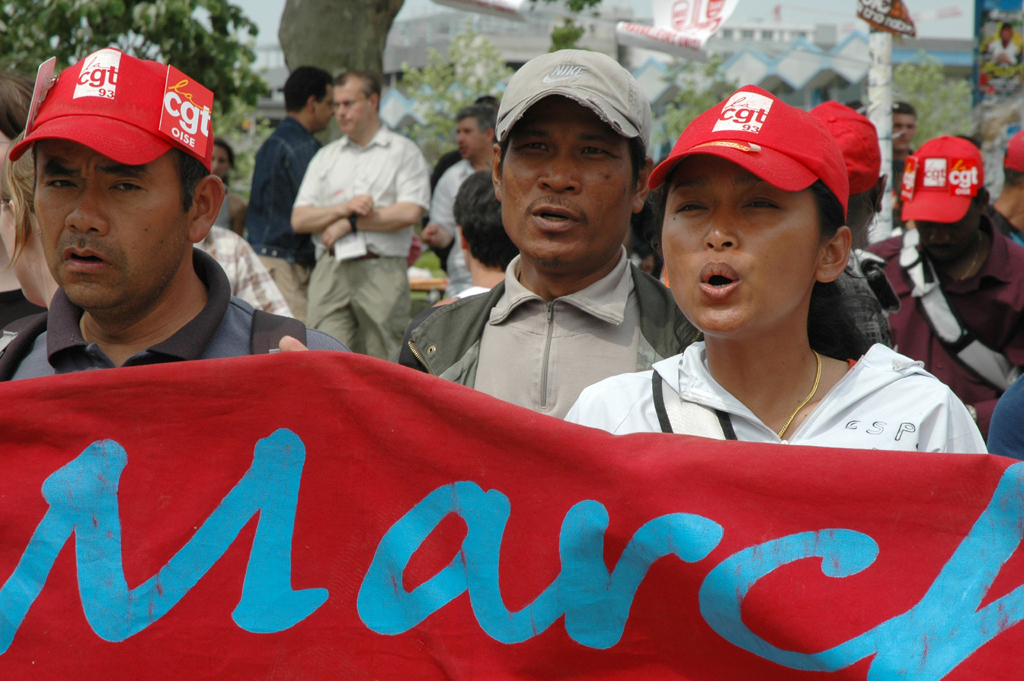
(980, 274)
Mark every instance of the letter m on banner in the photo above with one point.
(83, 500)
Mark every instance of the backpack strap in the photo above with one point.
(16, 342)
(989, 365)
(677, 415)
(268, 330)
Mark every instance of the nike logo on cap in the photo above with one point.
(564, 72)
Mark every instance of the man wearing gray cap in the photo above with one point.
(570, 168)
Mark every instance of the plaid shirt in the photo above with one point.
(249, 279)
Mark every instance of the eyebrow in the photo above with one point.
(55, 166)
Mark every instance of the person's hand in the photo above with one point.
(436, 236)
(289, 344)
(335, 231)
(361, 205)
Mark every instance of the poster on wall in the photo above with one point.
(1000, 70)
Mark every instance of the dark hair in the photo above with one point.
(478, 212)
(489, 100)
(303, 83)
(637, 154)
(486, 117)
(1013, 178)
(15, 98)
(904, 108)
(831, 329)
(223, 144)
(190, 171)
(369, 79)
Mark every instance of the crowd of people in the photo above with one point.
(729, 292)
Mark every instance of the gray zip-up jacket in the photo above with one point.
(445, 341)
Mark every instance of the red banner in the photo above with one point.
(318, 515)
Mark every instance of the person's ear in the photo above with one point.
(496, 171)
(640, 191)
(206, 201)
(462, 239)
(490, 134)
(833, 255)
(311, 103)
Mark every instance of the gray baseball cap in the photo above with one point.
(592, 79)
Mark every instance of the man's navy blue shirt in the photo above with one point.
(280, 164)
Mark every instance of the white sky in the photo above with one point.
(267, 14)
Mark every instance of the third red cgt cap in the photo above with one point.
(780, 144)
(857, 139)
(941, 179)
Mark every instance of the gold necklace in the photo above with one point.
(814, 389)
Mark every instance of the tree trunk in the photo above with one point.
(336, 35)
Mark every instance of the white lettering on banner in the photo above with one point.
(934, 172)
(98, 77)
(746, 111)
(191, 119)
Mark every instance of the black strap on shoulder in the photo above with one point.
(27, 330)
(659, 403)
(268, 330)
(726, 423)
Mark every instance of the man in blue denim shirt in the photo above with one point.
(280, 164)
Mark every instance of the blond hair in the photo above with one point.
(19, 185)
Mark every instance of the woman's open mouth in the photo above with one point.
(718, 280)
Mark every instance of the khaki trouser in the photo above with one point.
(293, 281)
(363, 303)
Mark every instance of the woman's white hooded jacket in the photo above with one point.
(885, 401)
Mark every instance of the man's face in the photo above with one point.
(113, 235)
(353, 109)
(323, 110)
(948, 242)
(903, 128)
(475, 145)
(567, 192)
(1006, 35)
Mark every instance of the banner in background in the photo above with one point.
(1001, 67)
(890, 16)
(681, 27)
(320, 515)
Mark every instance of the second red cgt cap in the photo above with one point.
(778, 143)
(941, 179)
(130, 110)
(857, 139)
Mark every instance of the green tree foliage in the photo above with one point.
(210, 40)
(565, 34)
(701, 87)
(943, 104)
(473, 68)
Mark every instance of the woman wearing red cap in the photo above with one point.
(754, 199)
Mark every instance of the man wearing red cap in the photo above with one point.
(864, 279)
(1008, 211)
(122, 149)
(958, 279)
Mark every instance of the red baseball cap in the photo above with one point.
(1014, 159)
(130, 110)
(940, 180)
(781, 144)
(857, 139)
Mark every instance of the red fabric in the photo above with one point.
(378, 439)
(857, 139)
(754, 129)
(949, 172)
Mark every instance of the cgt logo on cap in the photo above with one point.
(185, 117)
(746, 111)
(98, 77)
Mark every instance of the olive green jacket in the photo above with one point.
(446, 342)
